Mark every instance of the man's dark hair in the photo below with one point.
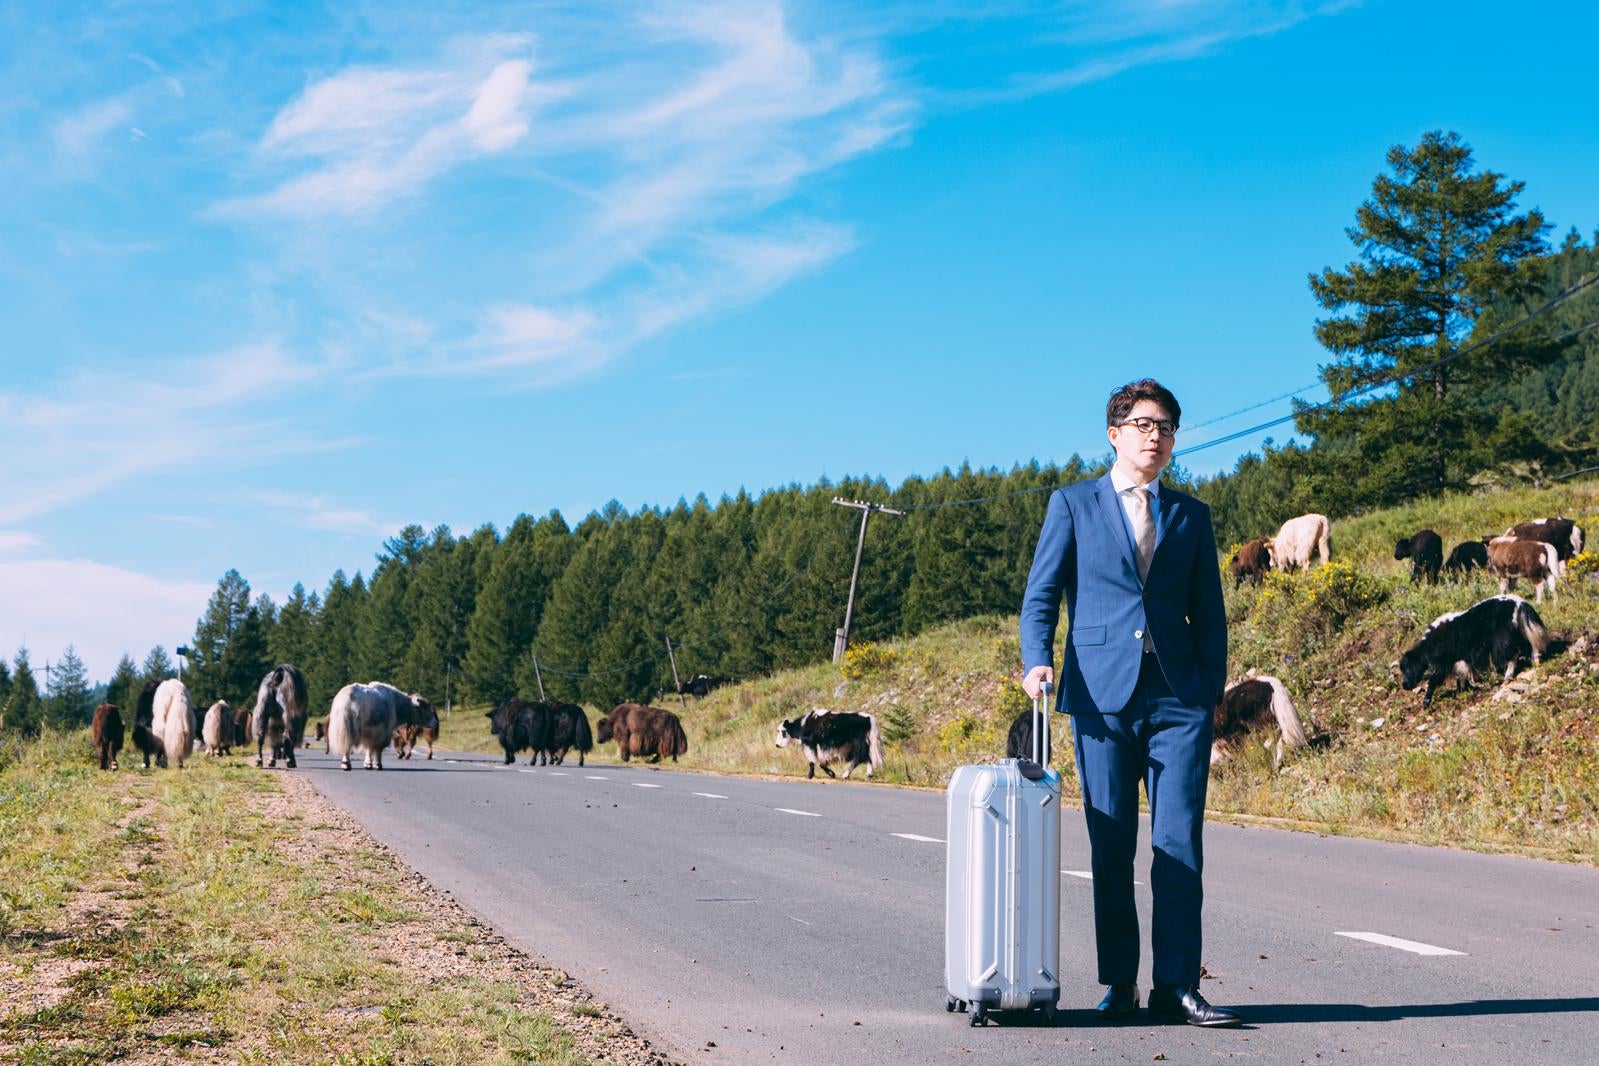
(1124, 399)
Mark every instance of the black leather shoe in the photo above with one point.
(1174, 1004)
(1120, 1003)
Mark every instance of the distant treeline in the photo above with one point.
(743, 586)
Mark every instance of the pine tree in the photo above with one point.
(24, 711)
(157, 667)
(123, 689)
(337, 635)
(293, 638)
(385, 631)
(1439, 244)
(69, 706)
(510, 604)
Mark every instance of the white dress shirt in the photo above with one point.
(1124, 486)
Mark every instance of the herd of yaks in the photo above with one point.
(1501, 631)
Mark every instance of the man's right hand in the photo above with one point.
(1036, 679)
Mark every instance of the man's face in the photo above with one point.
(1143, 454)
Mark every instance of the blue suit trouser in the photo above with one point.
(1165, 743)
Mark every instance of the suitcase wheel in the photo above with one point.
(979, 1015)
(1051, 1012)
(952, 1004)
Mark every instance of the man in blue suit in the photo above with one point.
(1145, 662)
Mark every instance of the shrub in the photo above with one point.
(1012, 701)
(863, 660)
(1319, 601)
(1582, 564)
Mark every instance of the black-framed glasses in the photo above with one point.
(1146, 426)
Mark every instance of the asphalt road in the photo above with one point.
(731, 919)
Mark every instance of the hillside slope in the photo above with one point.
(1514, 766)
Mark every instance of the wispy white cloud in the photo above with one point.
(102, 610)
(12, 543)
(96, 429)
(81, 136)
(371, 136)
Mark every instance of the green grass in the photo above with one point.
(1472, 772)
(180, 919)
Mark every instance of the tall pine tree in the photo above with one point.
(24, 710)
(69, 705)
(1439, 242)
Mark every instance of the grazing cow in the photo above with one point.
(143, 717)
(1535, 560)
(702, 685)
(1258, 703)
(107, 734)
(365, 717)
(1466, 557)
(828, 736)
(1425, 550)
(1298, 539)
(1498, 630)
(425, 728)
(640, 730)
(217, 730)
(1251, 562)
(278, 720)
(172, 721)
(1563, 533)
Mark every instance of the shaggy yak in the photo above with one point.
(1498, 630)
(278, 720)
(827, 736)
(1466, 557)
(1259, 703)
(1425, 550)
(644, 731)
(406, 734)
(172, 721)
(217, 730)
(107, 734)
(1251, 562)
(1298, 539)
(364, 717)
(1535, 560)
(143, 717)
(1563, 533)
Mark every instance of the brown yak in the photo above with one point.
(644, 731)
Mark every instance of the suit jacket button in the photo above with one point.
(1138, 634)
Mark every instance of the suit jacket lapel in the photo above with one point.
(1111, 509)
(1165, 510)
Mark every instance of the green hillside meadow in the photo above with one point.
(1512, 767)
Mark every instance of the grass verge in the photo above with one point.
(225, 914)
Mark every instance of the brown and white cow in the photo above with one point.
(1535, 560)
(1252, 706)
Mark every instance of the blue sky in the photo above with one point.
(277, 279)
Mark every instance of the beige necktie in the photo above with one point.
(1143, 530)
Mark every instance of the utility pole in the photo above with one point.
(447, 670)
(538, 674)
(677, 681)
(841, 635)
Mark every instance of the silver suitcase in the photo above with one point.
(1002, 884)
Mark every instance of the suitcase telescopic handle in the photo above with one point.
(1041, 724)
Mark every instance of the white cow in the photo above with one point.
(365, 716)
(1298, 538)
(173, 721)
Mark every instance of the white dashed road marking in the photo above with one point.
(916, 836)
(640, 784)
(559, 773)
(596, 777)
(790, 810)
(1402, 945)
(525, 770)
(710, 795)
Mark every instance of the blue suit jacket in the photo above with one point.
(1085, 552)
